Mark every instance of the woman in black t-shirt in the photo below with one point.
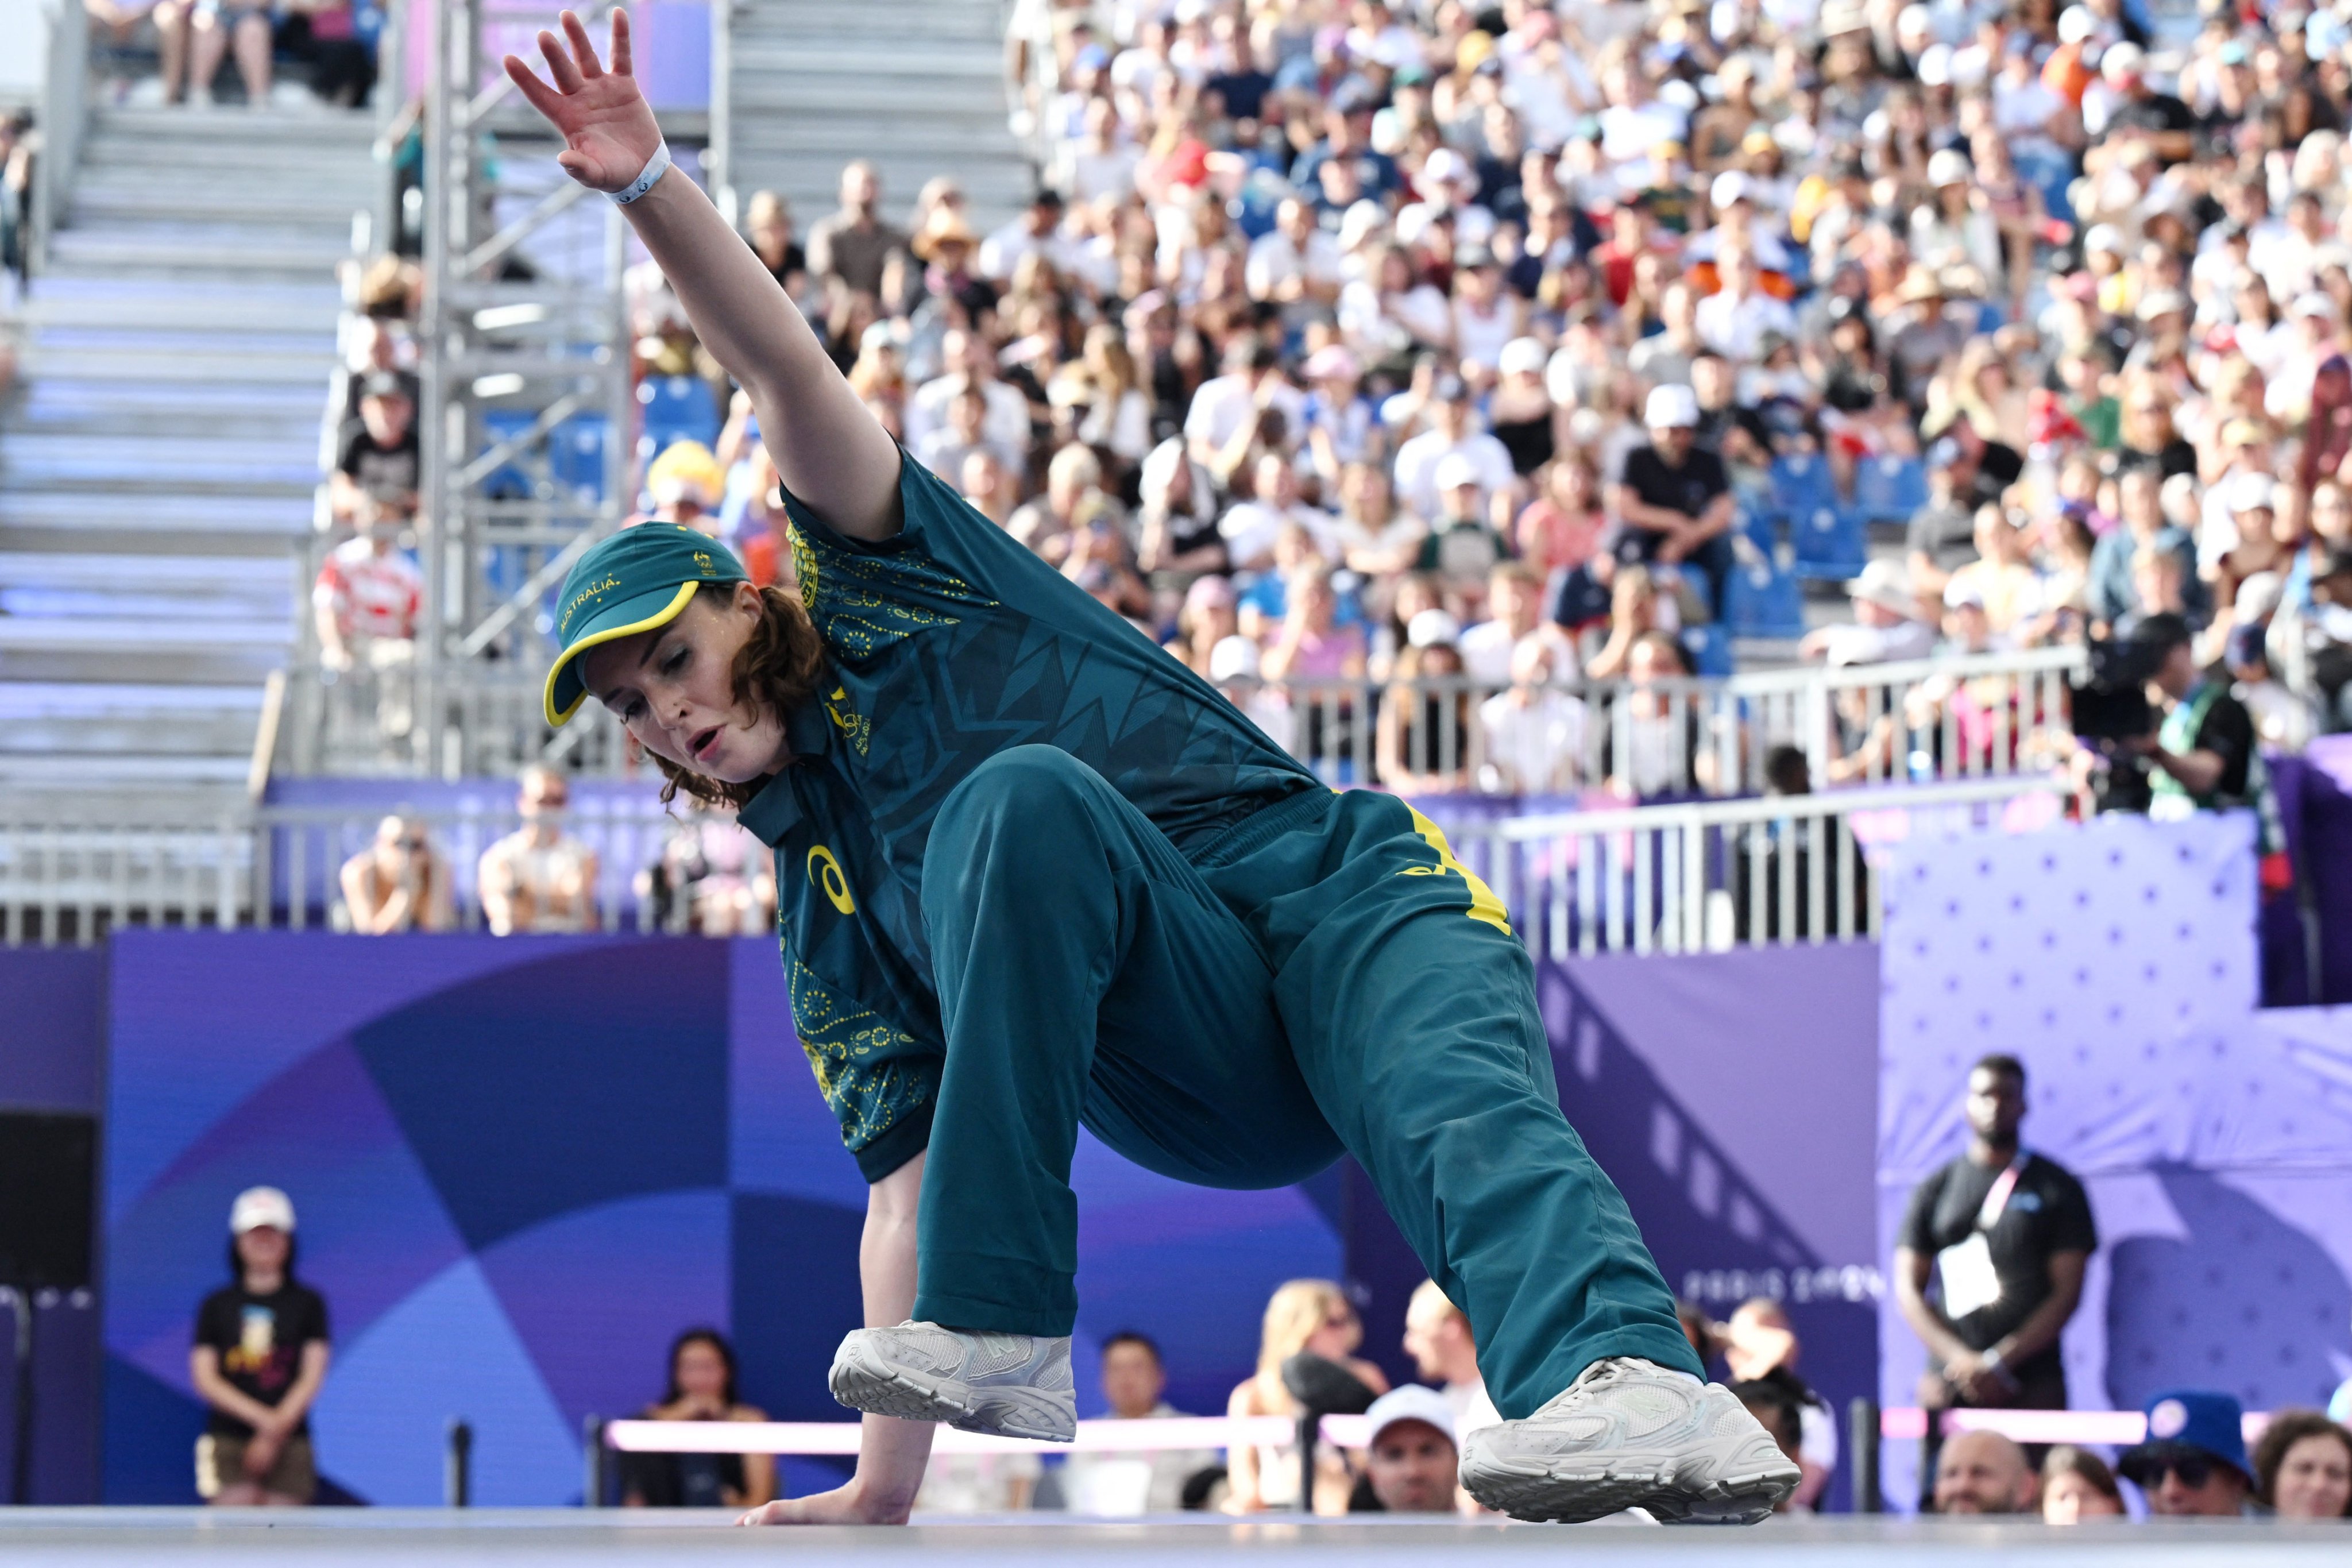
(259, 1359)
(701, 1388)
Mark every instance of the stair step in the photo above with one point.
(95, 700)
(179, 125)
(128, 253)
(145, 772)
(141, 632)
(295, 210)
(29, 605)
(65, 521)
(251, 576)
(783, 56)
(208, 370)
(760, 98)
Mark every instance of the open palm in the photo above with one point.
(608, 128)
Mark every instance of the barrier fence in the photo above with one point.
(1705, 876)
(1699, 876)
(1977, 716)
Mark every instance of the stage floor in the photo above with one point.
(378, 1538)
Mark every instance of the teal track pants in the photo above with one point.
(1327, 980)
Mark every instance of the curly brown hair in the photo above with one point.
(777, 669)
(2287, 1428)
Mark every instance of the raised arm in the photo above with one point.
(828, 449)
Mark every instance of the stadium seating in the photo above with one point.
(1889, 488)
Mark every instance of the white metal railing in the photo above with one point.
(1705, 876)
(1698, 875)
(72, 871)
(1987, 716)
(64, 119)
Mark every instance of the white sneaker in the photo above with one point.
(200, 97)
(1631, 1433)
(147, 92)
(1014, 1385)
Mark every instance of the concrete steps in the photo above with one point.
(158, 462)
(915, 86)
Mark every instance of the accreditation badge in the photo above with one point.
(1965, 1272)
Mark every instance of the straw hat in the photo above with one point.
(945, 226)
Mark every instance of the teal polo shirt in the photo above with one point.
(946, 644)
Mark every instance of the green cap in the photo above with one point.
(638, 579)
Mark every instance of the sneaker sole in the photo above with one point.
(1532, 1490)
(863, 1380)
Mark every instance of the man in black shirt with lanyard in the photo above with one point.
(2005, 1234)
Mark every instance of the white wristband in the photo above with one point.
(655, 167)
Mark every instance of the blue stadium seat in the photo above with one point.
(675, 408)
(1759, 600)
(575, 453)
(1756, 524)
(1710, 648)
(1830, 543)
(1800, 485)
(1889, 488)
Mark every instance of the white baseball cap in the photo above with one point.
(1731, 186)
(2075, 24)
(1522, 356)
(1413, 1402)
(2252, 491)
(257, 1206)
(1233, 658)
(1948, 167)
(1431, 627)
(1673, 406)
(1454, 470)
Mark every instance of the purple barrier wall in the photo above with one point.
(2215, 1139)
(520, 1166)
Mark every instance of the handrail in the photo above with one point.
(1869, 724)
(64, 119)
(1705, 876)
(1740, 813)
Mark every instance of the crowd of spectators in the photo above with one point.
(1481, 363)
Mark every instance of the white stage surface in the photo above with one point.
(378, 1538)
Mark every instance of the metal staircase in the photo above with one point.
(158, 461)
(801, 87)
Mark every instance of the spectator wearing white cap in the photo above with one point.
(1674, 498)
(2124, 111)
(1519, 412)
(1887, 625)
(258, 1361)
(1463, 547)
(1411, 1464)
(1453, 432)
(1956, 227)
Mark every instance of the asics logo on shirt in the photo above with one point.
(824, 871)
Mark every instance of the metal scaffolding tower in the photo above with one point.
(527, 405)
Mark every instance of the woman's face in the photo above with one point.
(264, 1248)
(701, 1372)
(2314, 1478)
(1337, 1334)
(672, 687)
(2068, 1499)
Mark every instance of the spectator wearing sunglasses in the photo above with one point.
(2193, 1463)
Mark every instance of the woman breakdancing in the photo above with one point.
(1035, 873)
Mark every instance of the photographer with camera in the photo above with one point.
(2170, 737)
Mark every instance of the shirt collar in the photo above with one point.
(776, 810)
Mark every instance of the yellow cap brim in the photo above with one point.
(565, 690)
